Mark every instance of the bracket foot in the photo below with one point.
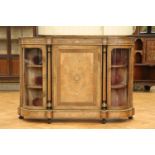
(130, 117)
(49, 121)
(104, 121)
(21, 117)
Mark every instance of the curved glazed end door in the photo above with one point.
(34, 77)
(119, 78)
(76, 77)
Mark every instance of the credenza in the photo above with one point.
(76, 77)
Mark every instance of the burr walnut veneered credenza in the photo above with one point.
(71, 77)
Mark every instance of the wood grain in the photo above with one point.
(77, 77)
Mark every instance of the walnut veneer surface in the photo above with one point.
(144, 118)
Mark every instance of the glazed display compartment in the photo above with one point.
(33, 77)
(119, 57)
(33, 57)
(34, 97)
(119, 97)
(118, 76)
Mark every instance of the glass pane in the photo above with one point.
(16, 32)
(21, 31)
(33, 56)
(3, 46)
(27, 31)
(3, 32)
(119, 56)
(34, 98)
(15, 49)
(119, 77)
(153, 29)
(33, 77)
(143, 29)
(119, 97)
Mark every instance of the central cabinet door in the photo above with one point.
(76, 77)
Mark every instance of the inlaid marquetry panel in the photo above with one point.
(77, 77)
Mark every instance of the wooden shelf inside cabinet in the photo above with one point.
(5, 76)
(3, 39)
(34, 66)
(139, 64)
(14, 39)
(118, 86)
(142, 64)
(32, 107)
(118, 66)
(144, 80)
(34, 87)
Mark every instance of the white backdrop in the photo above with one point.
(85, 30)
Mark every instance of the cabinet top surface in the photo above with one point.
(78, 40)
